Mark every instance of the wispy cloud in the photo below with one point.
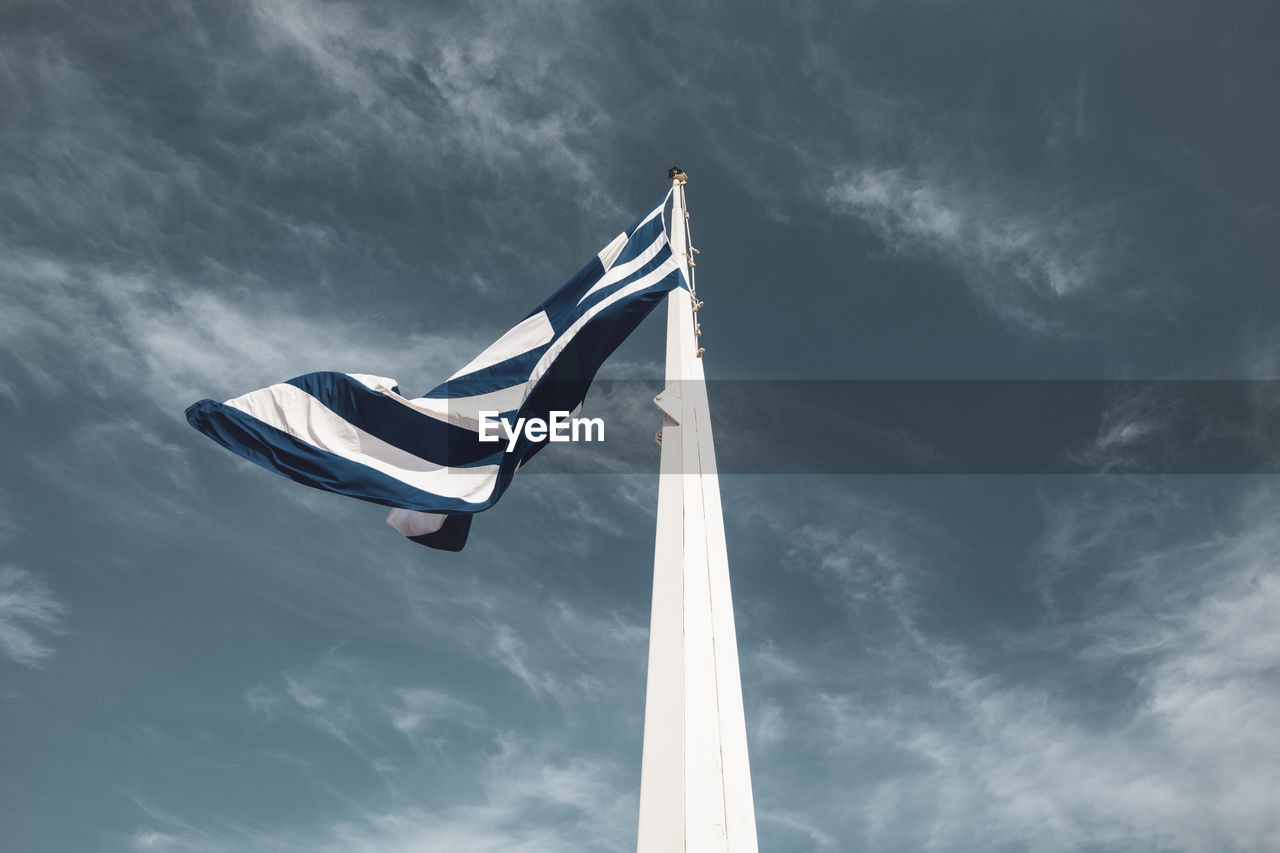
(511, 653)
(332, 697)
(9, 524)
(149, 839)
(1138, 714)
(29, 612)
(534, 800)
(410, 110)
(173, 345)
(342, 696)
(1021, 257)
(569, 655)
(1018, 218)
(263, 701)
(449, 81)
(421, 708)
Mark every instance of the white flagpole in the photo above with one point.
(695, 780)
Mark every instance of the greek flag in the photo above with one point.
(357, 435)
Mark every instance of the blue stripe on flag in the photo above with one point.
(451, 536)
(504, 374)
(278, 451)
(559, 305)
(605, 292)
(395, 423)
(641, 240)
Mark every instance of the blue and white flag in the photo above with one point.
(357, 435)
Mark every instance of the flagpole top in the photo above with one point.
(675, 173)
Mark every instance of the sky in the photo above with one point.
(197, 200)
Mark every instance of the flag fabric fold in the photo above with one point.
(357, 435)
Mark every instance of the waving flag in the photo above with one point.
(357, 435)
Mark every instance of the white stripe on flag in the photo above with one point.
(553, 352)
(292, 410)
(413, 523)
(529, 333)
(619, 273)
(460, 411)
(465, 411)
(610, 253)
(381, 384)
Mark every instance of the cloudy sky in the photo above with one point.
(199, 199)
